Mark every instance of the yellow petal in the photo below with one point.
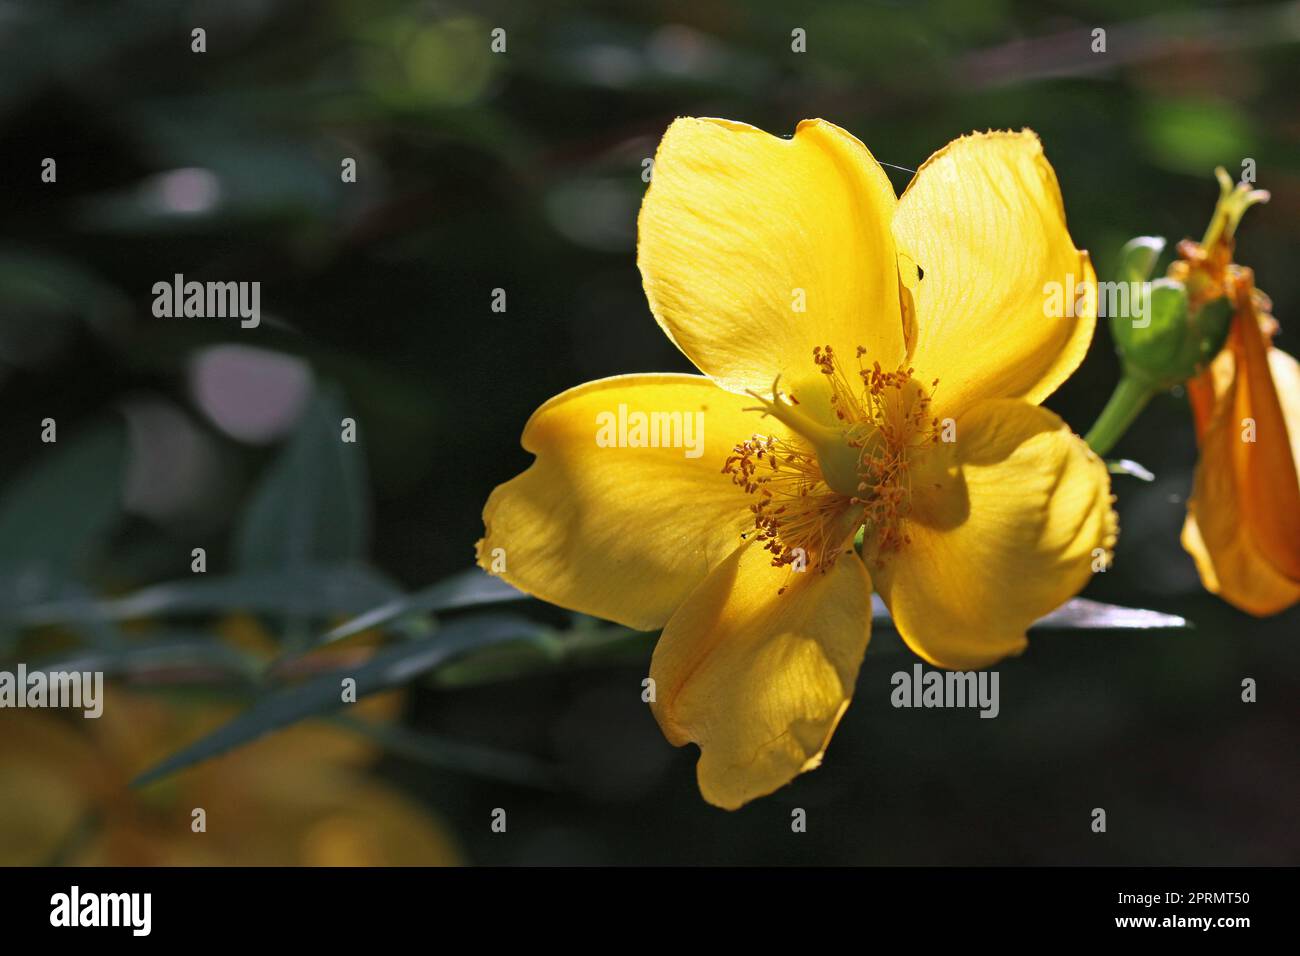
(323, 743)
(289, 814)
(760, 679)
(1221, 532)
(364, 823)
(306, 814)
(126, 841)
(52, 777)
(983, 219)
(622, 533)
(740, 229)
(1004, 526)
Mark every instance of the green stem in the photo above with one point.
(1128, 399)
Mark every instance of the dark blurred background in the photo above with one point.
(521, 171)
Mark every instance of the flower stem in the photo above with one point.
(1128, 399)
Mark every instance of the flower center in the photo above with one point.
(818, 487)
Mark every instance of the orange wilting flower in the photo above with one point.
(1243, 519)
(873, 367)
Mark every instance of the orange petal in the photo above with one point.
(1246, 499)
(1266, 467)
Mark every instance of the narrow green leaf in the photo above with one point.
(436, 751)
(93, 629)
(1126, 466)
(308, 591)
(1083, 614)
(467, 589)
(52, 290)
(182, 656)
(54, 516)
(311, 508)
(601, 645)
(1077, 614)
(322, 695)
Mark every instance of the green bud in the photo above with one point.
(1138, 258)
(1161, 341)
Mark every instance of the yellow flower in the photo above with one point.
(872, 364)
(297, 798)
(1243, 519)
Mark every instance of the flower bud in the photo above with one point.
(1164, 340)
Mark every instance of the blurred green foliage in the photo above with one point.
(522, 171)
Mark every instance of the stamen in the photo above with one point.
(816, 489)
